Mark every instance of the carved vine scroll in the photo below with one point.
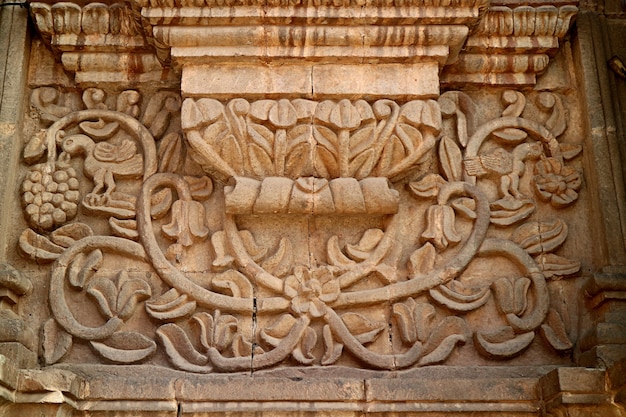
(189, 212)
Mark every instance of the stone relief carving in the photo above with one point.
(238, 237)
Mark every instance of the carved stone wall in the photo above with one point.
(303, 208)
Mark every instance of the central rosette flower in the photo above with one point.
(311, 289)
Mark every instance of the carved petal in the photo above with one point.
(540, 237)
(38, 248)
(364, 329)
(278, 330)
(170, 306)
(448, 333)
(303, 352)
(104, 292)
(556, 267)
(180, 350)
(422, 261)
(131, 292)
(554, 331)
(332, 349)
(403, 314)
(235, 282)
(67, 235)
(503, 343)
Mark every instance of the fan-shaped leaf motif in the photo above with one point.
(180, 350)
(56, 342)
(124, 228)
(235, 282)
(125, 347)
(105, 293)
(332, 349)
(170, 306)
(303, 353)
(364, 329)
(508, 210)
(553, 330)
(450, 159)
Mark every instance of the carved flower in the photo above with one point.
(556, 183)
(311, 289)
(440, 228)
(187, 222)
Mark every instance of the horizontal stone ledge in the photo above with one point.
(411, 81)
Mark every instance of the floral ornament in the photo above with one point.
(187, 223)
(556, 183)
(440, 228)
(310, 290)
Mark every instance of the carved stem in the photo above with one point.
(513, 252)
(344, 153)
(428, 143)
(280, 151)
(371, 358)
(58, 304)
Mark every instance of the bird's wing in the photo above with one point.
(474, 167)
(499, 161)
(106, 152)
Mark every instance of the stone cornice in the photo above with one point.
(470, 41)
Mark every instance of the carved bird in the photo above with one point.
(509, 166)
(104, 162)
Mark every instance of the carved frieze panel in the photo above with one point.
(233, 235)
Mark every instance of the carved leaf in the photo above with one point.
(67, 235)
(104, 292)
(35, 147)
(280, 262)
(242, 347)
(56, 342)
(255, 251)
(298, 162)
(428, 186)
(512, 294)
(503, 342)
(125, 347)
(201, 188)
(553, 330)
(556, 267)
(362, 164)
(179, 349)
(161, 202)
(570, 150)
(171, 153)
(170, 306)
(422, 261)
(38, 248)
(423, 316)
(335, 255)
(508, 211)
(83, 267)
(194, 114)
(467, 300)
(403, 314)
(262, 137)
(131, 292)
(235, 282)
(325, 163)
(364, 329)
(465, 207)
(540, 237)
(332, 349)
(451, 159)
(260, 161)
(515, 102)
(100, 130)
(303, 353)
(392, 154)
(443, 339)
(204, 324)
(274, 334)
(222, 258)
(226, 327)
(370, 239)
(510, 134)
(124, 228)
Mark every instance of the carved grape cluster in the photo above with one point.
(50, 196)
